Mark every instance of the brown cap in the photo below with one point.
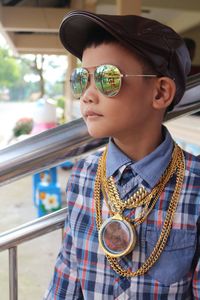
(156, 42)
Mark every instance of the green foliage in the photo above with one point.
(23, 126)
(26, 77)
(54, 89)
(9, 69)
(61, 102)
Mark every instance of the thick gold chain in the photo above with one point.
(177, 166)
(112, 195)
(137, 199)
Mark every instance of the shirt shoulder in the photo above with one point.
(80, 185)
(192, 164)
(87, 166)
(192, 182)
(83, 174)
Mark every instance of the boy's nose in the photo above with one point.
(90, 93)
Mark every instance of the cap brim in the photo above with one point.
(77, 27)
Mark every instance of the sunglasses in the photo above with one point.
(107, 78)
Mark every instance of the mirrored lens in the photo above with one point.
(78, 81)
(108, 80)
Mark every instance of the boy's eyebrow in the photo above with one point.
(94, 67)
(90, 67)
(101, 64)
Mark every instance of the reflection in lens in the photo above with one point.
(78, 81)
(108, 80)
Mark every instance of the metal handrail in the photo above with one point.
(48, 149)
(45, 150)
(54, 146)
(9, 240)
(32, 230)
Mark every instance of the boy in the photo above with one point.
(143, 186)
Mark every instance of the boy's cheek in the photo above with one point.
(81, 110)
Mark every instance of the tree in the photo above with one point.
(27, 76)
(9, 70)
(36, 65)
(41, 65)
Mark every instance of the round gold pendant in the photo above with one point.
(117, 237)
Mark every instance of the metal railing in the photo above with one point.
(33, 155)
(49, 149)
(11, 239)
(45, 150)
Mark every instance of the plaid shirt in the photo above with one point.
(82, 270)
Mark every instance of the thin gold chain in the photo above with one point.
(179, 165)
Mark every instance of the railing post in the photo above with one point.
(13, 274)
(62, 233)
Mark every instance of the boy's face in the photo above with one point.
(130, 111)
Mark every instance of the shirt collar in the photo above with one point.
(150, 168)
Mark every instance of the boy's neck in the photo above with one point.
(137, 147)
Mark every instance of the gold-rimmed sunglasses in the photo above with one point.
(107, 78)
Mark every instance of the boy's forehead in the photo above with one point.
(109, 53)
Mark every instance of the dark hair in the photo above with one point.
(190, 43)
(100, 36)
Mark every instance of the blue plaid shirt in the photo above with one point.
(82, 270)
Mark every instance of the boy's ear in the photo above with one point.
(164, 93)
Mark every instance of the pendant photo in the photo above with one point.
(117, 237)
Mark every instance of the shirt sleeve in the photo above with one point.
(196, 276)
(196, 282)
(65, 283)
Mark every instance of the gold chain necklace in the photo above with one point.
(112, 195)
(117, 236)
(179, 166)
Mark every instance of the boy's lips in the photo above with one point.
(91, 113)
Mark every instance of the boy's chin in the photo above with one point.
(96, 134)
